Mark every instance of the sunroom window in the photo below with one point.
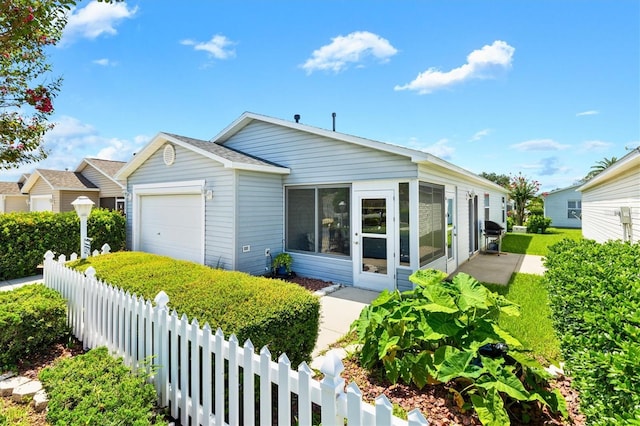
(318, 220)
(431, 220)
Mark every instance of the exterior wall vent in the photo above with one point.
(169, 154)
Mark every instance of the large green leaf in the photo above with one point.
(444, 324)
(490, 409)
(502, 380)
(425, 277)
(472, 293)
(457, 364)
(438, 300)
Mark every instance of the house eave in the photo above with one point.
(628, 162)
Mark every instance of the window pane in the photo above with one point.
(431, 222)
(404, 224)
(374, 216)
(300, 220)
(374, 255)
(333, 216)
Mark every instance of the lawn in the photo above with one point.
(533, 327)
(537, 243)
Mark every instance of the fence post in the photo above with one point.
(160, 348)
(106, 249)
(46, 271)
(90, 275)
(416, 418)
(331, 387)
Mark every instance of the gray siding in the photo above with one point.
(219, 212)
(260, 220)
(108, 188)
(335, 269)
(316, 159)
(601, 206)
(556, 207)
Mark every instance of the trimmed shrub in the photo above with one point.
(31, 317)
(538, 224)
(97, 389)
(510, 223)
(281, 315)
(26, 237)
(594, 290)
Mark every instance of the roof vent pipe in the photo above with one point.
(333, 115)
(297, 118)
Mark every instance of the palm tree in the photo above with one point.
(600, 166)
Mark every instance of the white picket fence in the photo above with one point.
(203, 378)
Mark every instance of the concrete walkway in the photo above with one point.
(497, 269)
(19, 282)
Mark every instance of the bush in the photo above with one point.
(97, 389)
(282, 315)
(31, 317)
(510, 223)
(26, 237)
(596, 311)
(447, 332)
(538, 224)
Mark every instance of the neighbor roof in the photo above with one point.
(228, 157)
(10, 188)
(109, 168)
(60, 180)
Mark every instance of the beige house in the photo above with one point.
(12, 199)
(54, 190)
(101, 173)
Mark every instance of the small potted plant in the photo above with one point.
(282, 263)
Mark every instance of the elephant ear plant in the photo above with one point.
(447, 332)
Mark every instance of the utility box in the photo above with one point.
(625, 215)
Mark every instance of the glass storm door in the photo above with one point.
(374, 240)
(452, 232)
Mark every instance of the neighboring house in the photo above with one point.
(349, 210)
(611, 202)
(12, 199)
(101, 173)
(54, 190)
(564, 207)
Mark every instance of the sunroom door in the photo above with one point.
(452, 232)
(374, 240)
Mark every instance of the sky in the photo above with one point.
(541, 88)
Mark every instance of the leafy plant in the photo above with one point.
(447, 332)
(283, 260)
(596, 311)
(538, 224)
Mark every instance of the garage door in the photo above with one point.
(171, 225)
(40, 204)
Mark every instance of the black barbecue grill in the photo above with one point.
(493, 233)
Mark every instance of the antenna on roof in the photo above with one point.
(297, 118)
(333, 116)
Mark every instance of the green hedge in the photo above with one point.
(31, 317)
(282, 315)
(594, 291)
(26, 237)
(97, 389)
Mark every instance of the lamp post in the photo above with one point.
(83, 207)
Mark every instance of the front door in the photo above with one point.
(374, 240)
(452, 232)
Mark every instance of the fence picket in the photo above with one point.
(196, 373)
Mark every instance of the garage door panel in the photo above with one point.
(171, 225)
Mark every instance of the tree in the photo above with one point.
(502, 180)
(600, 166)
(27, 29)
(522, 191)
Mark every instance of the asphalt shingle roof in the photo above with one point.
(10, 188)
(109, 167)
(65, 179)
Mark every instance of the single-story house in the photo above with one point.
(349, 210)
(54, 190)
(102, 174)
(12, 199)
(564, 207)
(611, 202)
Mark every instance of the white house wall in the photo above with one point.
(219, 213)
(556, 207)
(601, 208)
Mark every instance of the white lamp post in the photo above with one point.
(83, 207)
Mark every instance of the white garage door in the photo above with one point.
(171, 225)
(40, 204)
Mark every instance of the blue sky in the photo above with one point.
(545, 88)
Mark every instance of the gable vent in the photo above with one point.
(169, 154)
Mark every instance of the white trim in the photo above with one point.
(166, 188)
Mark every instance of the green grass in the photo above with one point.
(14, 415)
(533, 327)
(537, 243)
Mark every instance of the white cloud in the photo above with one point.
(353, 48)
(440, 149)
(481, 63)
(95, 19)
(218, 47)
(595, 145)
(590, 112)
(480, 134)
(104, 62)
(539, 145)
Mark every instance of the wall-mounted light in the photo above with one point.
(471, 194)
(127, 195)
(208, 194)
